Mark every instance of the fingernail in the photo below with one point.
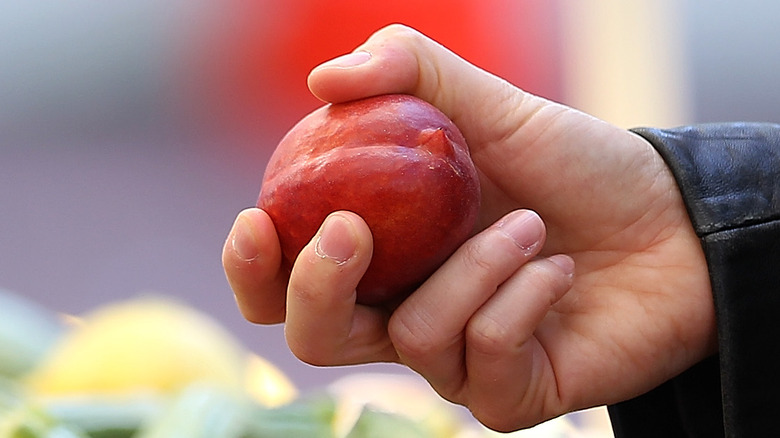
(349, 60)
(565, 262)
(244, 243)
(524, 227)
(337, 239)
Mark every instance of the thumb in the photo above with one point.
(398, 59)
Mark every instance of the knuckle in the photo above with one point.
(304, 293)
(491, 257)
(411, 336)
(488, 336)
(547, 280)
(397, 30)
(475, 261)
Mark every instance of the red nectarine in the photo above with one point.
(395, 160)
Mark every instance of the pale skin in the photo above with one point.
(583, 285)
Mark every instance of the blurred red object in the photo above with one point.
(262, 57)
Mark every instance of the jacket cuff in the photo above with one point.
(728, 173)
(729, 177)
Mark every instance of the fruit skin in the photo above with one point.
(396, 161)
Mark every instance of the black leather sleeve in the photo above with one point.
(729, 176)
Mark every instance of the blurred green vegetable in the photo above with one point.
(200, 411)
(308, 417)
(27, 333)
(378, 424)
(101, 416)
(21, 418)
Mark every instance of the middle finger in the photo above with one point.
(427, 329)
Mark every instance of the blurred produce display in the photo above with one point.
(154, 367)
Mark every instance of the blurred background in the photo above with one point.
(132, 133)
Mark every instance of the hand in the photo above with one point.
(503, 327)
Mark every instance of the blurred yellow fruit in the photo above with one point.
(144, 344)
(268, 384)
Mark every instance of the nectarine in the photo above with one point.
(395, 160)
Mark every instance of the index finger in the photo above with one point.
(324, 324)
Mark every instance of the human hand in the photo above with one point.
(503, 327)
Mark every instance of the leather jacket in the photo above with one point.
(729, 176)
